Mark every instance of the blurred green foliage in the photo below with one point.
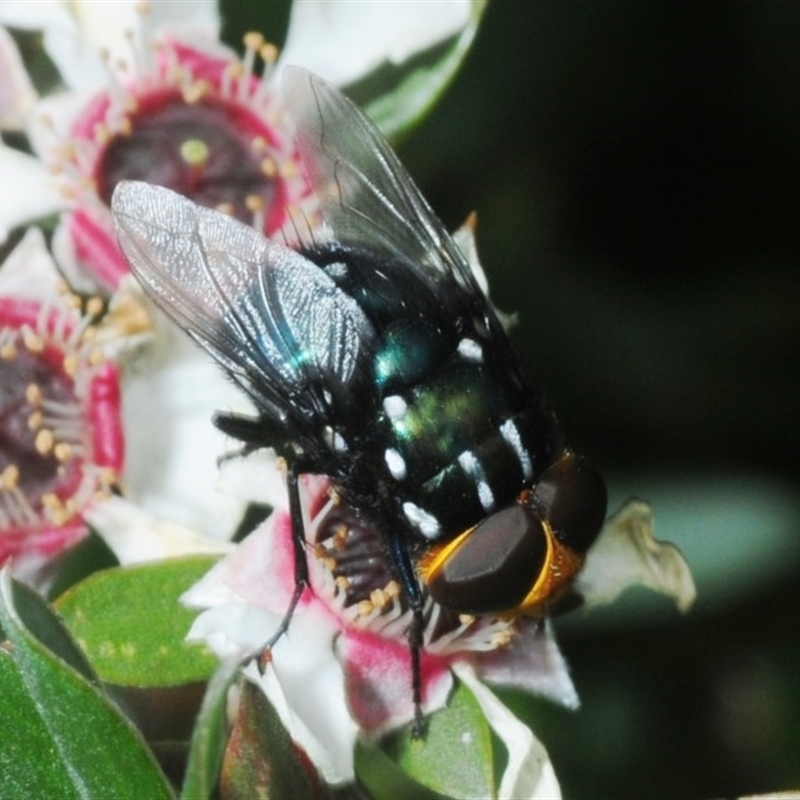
(636, 170)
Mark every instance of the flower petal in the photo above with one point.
(173, 447)
(76, 32)
(134, 535)
(378, 679)
(233, 629)
(254, 477)
(343, 41)
(531, 661)
(17, 94)
(529, 772)
(306, 686)
(29, 272)
(626, 554)
(260, 571)
(34, 194)
(124, 27)
(79, 65)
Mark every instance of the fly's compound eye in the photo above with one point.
(572, 497)
(488, 568)
(517, 560)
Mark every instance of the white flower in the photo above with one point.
(343, 669)
(61, 440)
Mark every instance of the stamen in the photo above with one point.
(63, 452)
(33, 394)
(44, 441)
(32, 341)
(9, 477)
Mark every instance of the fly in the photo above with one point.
(373, 357)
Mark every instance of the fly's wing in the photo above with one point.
(370, 202)
(279, 326)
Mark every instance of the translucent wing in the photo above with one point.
(280, 327)
(367, 197)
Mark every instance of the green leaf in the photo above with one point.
(76, 563)
(132, 627)
(40, 620)
(210, 736)
(411, 95)
(61, 736)
(455, 759)
(262, 761)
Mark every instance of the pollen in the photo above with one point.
(268, 53)
(365, 608)
(44, 441)
(95, 306)
(63, 452)
(269, 168)
(102, 134)
(339, 538)
(379, 599)
(70, 364)
(253, 40)
(9, 477)
(33, 341)
(33, 394)
(254, 202)
(195, 92)
(392, 590)
(501, 637)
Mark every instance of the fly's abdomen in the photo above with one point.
(461, 443)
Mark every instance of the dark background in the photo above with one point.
(636, 170)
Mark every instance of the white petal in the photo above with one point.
(76, 32)
(304, 681)
(124, 30)
(27, 193)
(255, 477)
(29, 272)
(17, 94)
(529, 772)
(627, 554)
(234, 629)
(532, 662)
(343, 41)
(78, 64)
(52, 120)
(172, 447)
(135, 536)
(306, 686)
(259, 571)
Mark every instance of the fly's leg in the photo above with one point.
(301, 580)
(416, 601)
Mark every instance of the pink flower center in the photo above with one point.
(60, 430)
(200, 123)
(212, 151)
